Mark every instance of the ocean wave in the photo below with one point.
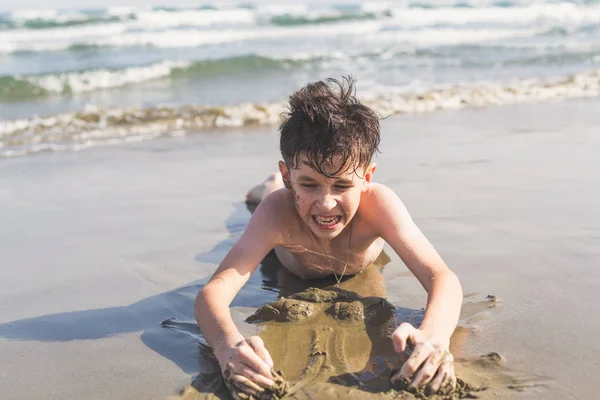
(543, 15)
(294, 20)
(96, 127)
(40, 24)
(116, 35)
(156, 19)
(21, 88)
(26, 40)
(432, 4)
(129, 19)
(451, 36)
(52, 30)
(411, 13)
(368, 31)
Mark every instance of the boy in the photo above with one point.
(325, 216)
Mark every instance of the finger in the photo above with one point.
(449, 383)
(259, 348)
(243, 384)
(429, 368)
(401, 336)
(418, 356)
(444, 381)
(250, 374)
(436, 382)
(249, 357)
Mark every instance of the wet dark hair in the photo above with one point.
(326, 120)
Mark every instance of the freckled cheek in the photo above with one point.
(302, 204)
(345, 208)
(349, 207)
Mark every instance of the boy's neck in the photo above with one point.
(344, 237)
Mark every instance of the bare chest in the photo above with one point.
(303, 255)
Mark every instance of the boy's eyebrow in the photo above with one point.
(305, 178)
(339, 180)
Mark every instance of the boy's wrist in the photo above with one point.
(435, 335)
(227, 343)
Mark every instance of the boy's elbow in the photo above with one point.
(453, 278)
(210, 296)
(201, 300)
(200, 297)
(446, 278)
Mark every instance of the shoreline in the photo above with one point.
(95, 126)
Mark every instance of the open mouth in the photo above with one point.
(327, 222)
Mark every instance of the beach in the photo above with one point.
(100, 246)
(130, 135)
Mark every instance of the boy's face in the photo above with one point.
(326, 205)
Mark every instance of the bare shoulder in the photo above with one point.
(380, 196)
(278, 203)
(381, 206)
(274, 212)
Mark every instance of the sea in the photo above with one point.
(71, 79)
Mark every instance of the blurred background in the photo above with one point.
(76, 76)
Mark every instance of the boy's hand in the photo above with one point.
(247, 365)
(430, 359)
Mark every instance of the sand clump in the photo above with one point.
(279, 390)
(333, 343)
(462, 390)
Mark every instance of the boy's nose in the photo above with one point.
(327, 203)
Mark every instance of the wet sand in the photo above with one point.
(99, 246)
(335, 343)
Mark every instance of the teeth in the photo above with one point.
(327, 221)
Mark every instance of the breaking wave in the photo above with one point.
(171, 27)
(21, 88)
(97, 127)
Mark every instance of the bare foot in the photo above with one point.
(259, 192)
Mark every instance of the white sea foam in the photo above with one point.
(306, 56)
(114, 35)
(32, 14)
(145, 26)
(536, 14)
(169, 19)
(119, 11)
(57, 39)
(484, 94)
(77, 82)
(449, 36)
(95, 126)
(282, 9)
(118, 36)
(379, 6)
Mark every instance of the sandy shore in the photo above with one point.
(99, 246)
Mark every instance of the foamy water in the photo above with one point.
(97, 127)
(409, 56)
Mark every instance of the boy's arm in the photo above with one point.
(432, 338)
(242, 359)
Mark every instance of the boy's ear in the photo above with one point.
(285, 175)
(369, 171)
